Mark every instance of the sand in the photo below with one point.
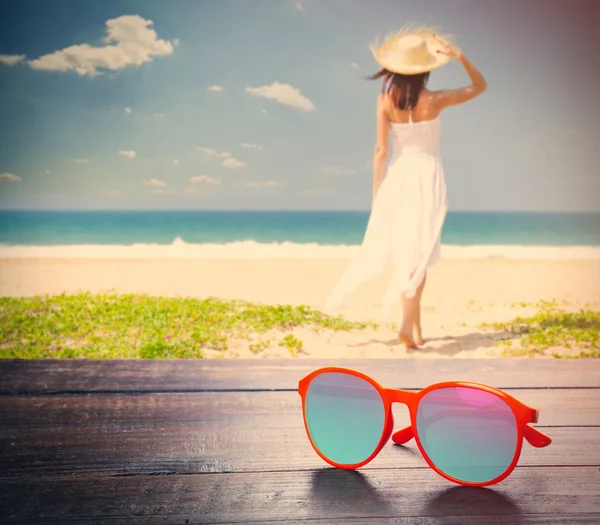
(460, 294)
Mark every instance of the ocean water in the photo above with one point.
(200, 234)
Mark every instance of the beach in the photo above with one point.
(459, 296)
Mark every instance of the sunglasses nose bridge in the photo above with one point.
(395, 395)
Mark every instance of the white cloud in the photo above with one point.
(232, 163)
(81, 161)
(155, 183)
(130, 40)
(175, 161)
(263, 184)
(47, 172)
(128, 110)
(127, 153)
(263, 110)
(298, 5)
(109, 193)
(158, 115)
(207, 151)
(228, 162)
(216, 88)
(336, 170)
(10, 176)
(204, 179)
(251, 146)
(354, 65)
(11, 60)
(284, 94)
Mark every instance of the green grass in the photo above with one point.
(553, 331)
(138, 326)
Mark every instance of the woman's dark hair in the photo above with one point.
(404, 90)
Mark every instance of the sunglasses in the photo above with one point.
(469, 433)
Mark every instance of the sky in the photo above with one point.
(263, 104)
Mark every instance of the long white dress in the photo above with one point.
(406, 220)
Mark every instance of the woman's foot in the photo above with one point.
(417, 336)
(406, 339)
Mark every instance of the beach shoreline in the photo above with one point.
(460, 295)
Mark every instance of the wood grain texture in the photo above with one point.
(292, 497)
(223, 442)
(62, 375)
(229, 432)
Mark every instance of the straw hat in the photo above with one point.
(411, 51)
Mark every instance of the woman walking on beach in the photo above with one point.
(409, 199)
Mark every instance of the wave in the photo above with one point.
(179, 249)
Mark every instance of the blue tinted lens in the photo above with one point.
(469, 434)
(345, 417)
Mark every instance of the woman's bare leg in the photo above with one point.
(416, 328)
(409, 308)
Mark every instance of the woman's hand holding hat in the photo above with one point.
(448, 49)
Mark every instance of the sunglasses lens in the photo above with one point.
(469, 434)
(344, 416)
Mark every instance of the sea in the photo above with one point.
(282, 234)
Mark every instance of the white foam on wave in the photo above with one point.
(180, 249)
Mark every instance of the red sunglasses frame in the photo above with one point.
(524, 415)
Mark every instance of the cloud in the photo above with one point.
(175, 161)
(11, 60)
(155, 183)
(207, 151)
(109, 193)
(130, 40)
(263, 110)
(263, 184)
(298, 5)
(354, 65)
(10, 176)
(336, 170)
(128, 110)
(284, 94)
(232, 163)
(216, 88)
(251, 146)
(127, 153)
(81, 161)
(204, 179)
(47, 172)
(228, 162)
(158, 115)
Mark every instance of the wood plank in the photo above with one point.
(568, 407)
(226, 432)
(591, 519)
(294, 497)
(191, 450)
(49, 376)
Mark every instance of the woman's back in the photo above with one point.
(425, 109)
(418, 127)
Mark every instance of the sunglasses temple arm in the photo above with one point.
(536, 438)
(403, 436)
(533, 436)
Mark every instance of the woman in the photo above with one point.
(409, 202)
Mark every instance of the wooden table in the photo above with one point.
(215, 441)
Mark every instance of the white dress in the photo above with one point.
(405, 224)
